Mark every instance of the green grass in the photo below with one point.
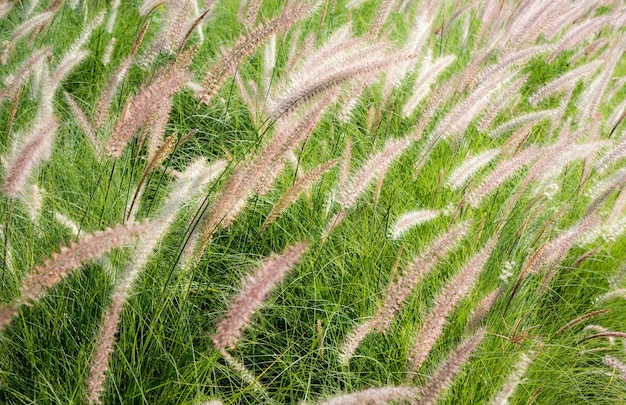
(164, 353)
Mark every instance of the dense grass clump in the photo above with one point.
(332, 202)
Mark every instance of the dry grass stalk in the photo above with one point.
(582, 318)
(253, 293)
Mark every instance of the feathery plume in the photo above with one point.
(619, 207)
(309, 86)
(7, 312)
(104, 345)
(411, 52)
(527, 27)
(67, 222)
(5, 8)
(64, 68)
(334, 222)
(403, 286)
(381, 395)
(602, 188)
(148, 5)
(448, 299)
(566, 80)
(565, 19)
(148, 99)
(37, 147)
(591, 98)
(256, 174)
(74, 256)
(483, 308)
(470, 167)
(354, 339)
(384, 10)
(252, 295)
(533, 117)
(608, 335)
(582, 318)
(246, 375)
(425, 80)
(411, 219)
(616, 365)
(553, 251)
(247, 45)
(506, 98)
(617, 116)
(112, 16)
(269, 62)
(84, 123)
(156, 126)
(462, 114)
(27, 26)
(348, 195)
(32, 197)
(559, 155)
(13, 82)
(104, 101)
(443, 377)
(580, 33)
(252, 11)
(291, 195)
(192, 181)
(514, 379)
(511, 61)
(73, 56)
(502, 172)
(108, 51)
(344, 169)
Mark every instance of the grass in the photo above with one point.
(164, 352)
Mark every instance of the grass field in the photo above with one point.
(336, 202)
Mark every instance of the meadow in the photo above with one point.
(312, 202)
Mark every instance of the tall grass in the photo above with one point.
(312, 202)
